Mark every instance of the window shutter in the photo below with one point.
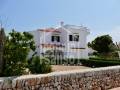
(58, 39)
(70, 38)
(52, 38)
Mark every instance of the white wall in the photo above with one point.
(69, 44)
(45, 38)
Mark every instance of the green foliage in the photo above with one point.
(39, 65)
(16, 50)
(102, 44)
(92, 62)
(2, 43)
(99, 63)
(108, 59)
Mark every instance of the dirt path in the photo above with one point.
(115, 88)
(67, 68)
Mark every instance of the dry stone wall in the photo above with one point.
(89, 79)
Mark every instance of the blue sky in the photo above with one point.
(100, 16)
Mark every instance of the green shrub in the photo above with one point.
(110, 55)
(99, 58)
(92, 62)
(16, 49)
(99, 63)
(39, 65)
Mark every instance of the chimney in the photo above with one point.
(61, 23)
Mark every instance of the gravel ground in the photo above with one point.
(115, 88)
(67, 68)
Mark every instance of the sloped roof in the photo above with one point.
(49, 30)
(67, 26)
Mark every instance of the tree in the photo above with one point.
(102, 44)
(16, 50)
(2, 42)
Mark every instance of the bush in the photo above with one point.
(110, 55)
(92, 62)
(16, 49)
(99, 63)
(39, 65)
(99, 58)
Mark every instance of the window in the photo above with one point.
(74, 37)
(55, 38)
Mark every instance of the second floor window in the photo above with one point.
(55, 38)
(74, 37)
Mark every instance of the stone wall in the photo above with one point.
(89, 79)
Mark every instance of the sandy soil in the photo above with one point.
(66, 68)
(116, 88)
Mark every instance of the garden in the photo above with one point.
(15, 47)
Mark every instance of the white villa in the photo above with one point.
(70, 39)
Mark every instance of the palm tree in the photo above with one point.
(2, 42)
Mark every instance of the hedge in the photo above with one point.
(99, 63)
(98, 58)
(91, 62)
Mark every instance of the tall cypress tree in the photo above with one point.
(2, 42)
